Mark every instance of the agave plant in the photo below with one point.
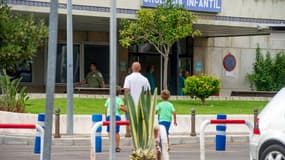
(142, 125)
(12, 99)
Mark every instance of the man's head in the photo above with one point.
(136, 67)
(93, 67)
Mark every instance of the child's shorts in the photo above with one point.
(166, 125)
(118, 118)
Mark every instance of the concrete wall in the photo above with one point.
(90, 37)
(243, 48)
(83, 124)
(268, 9)
(200, 53)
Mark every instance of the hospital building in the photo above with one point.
(231, 31)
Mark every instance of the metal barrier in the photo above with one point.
(27, 126)
(164, 140)
(208, 122)
(37, 145)
(93, 134)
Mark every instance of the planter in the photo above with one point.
(216, 94)
(253, 93)
(134, 156)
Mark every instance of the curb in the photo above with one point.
(104, 96)
(83, 141)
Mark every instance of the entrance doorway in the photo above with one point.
(147, 59)
(180, 59)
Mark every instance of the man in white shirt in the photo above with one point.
(135, 82)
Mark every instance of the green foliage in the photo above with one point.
(160, 27)
(142, 125)
(269, 72)
(19, 37)
(279, 71)
(202, 86)
(12, 99)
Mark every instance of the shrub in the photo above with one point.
(202, 87)
(268, 72)
(12, 99)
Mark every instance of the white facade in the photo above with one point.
(212, 51)
(237, 29)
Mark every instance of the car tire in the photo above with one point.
(274, 151)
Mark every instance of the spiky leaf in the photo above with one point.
(142, 124)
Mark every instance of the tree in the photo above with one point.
(279, 71)
(161, 27)
(20, 37)
(268, 72)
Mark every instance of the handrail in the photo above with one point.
(208, 122)
(27, 126)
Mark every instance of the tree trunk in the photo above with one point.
(203, 101)
(165, 70)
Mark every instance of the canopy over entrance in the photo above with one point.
(209, 30)
(92, 23)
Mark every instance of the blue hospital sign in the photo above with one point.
(214, 6)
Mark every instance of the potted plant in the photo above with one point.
(141, 118)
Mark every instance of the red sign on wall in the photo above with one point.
(229, 62)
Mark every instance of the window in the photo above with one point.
(98, 54)
(61, 63)
(23, 71)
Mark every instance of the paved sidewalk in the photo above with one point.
(79, 140)
(178, 152)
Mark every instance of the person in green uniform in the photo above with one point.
(119, 107)
(94, 78)
(150, 78)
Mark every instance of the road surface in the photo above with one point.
(178, 152)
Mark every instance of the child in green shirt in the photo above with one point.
(119, 107)
(165, 111)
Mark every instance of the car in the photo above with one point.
(268, 143)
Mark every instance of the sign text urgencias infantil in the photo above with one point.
(214, 6)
